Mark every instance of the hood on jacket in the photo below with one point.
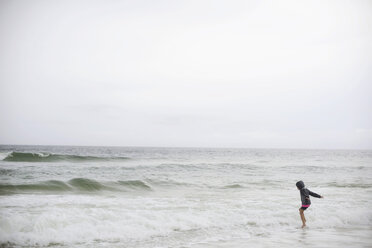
(300, 184)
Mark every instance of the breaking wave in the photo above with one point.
(49, 157)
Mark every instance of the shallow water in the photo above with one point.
(182, 197)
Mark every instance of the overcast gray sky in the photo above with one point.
(264, 74)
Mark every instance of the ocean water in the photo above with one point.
(182, 197)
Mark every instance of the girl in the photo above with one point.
(305, 199)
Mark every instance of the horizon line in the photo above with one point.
(196, 147)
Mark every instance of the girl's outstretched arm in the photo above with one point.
(314, 194)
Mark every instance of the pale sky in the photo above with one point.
(256, 74)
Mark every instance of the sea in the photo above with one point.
(65, 196)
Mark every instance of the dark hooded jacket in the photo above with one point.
(304, 192)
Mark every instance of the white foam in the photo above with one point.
(73, 219)
(3, 155)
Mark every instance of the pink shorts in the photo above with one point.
(304, 207)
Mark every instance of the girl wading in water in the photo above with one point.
(305, 199)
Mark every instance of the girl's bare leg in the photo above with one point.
(302, 217)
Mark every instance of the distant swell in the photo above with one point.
(134, 184)
(234, 186)
(351, 185)
(78, 185)
(48, 157)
